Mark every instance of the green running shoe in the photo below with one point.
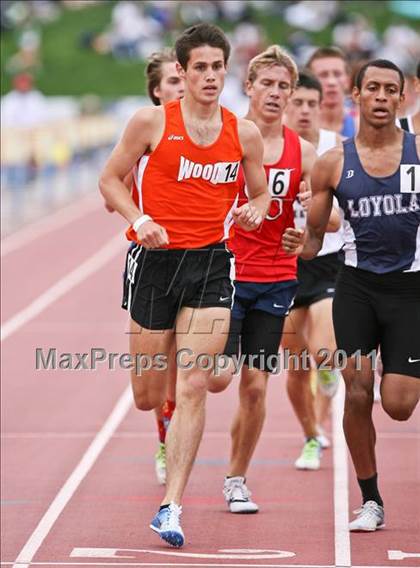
(328, 382)
(310, 458)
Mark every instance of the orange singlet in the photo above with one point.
(189, 189)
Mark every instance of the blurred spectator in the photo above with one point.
(356, 37)
(192, 12)
(310, 15)
(133, 35)
(247, 40)
(24, 106)
(401, 44)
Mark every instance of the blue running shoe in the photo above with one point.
(166, 524)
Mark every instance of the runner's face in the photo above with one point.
(205, 73)
(171, 86)
(270, 92)
(379, 97)
(331, 72)
(303, 110)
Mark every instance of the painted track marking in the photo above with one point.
(49, 223)
(120, 410)
(64, 285)
(400, 555)
(341, 491)
(176, 564)
(227, 554)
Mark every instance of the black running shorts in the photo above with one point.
(159, 282)
(371, 310)
(317, 278)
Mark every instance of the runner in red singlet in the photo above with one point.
(265, 276)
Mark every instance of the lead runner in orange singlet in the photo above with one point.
(163, 85)
(178, 277)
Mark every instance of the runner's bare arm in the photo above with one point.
(324, 178)
(250, 215)
(128, 180)
(143, 132)
(308, 160)
(309, 157)
(136, 139)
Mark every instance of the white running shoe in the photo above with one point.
(310, 458)
(160, 464)
(237, 496)
(370, 517)
(166, 524)
(323, 441)
(322, 438)
(328, 382)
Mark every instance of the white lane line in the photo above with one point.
(165, 564)
(49, 223)
(341, 487)
(120, 410)
(64, 285)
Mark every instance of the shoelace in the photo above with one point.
(311, 449)
(370, 509)
(172, 519)
(237, 491)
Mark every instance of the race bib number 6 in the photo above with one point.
(278, 186)
(410, 178)
(278, 182)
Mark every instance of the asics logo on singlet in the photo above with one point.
(220, 172)
(378, 205)
(175, 137)
(349, 174)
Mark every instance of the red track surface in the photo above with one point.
(50, 419)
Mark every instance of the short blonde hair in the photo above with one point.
(272, 56)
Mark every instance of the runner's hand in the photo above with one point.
(293, 240)
(109, 208)
(151, 235)
(247, 217)
(305, 196)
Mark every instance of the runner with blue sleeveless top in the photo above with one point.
(376, 179)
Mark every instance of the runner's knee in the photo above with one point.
(398, 410)
(359, 396)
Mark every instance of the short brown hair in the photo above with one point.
(272, 56)
(196, 36)
(153, 70)
(324, 52)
